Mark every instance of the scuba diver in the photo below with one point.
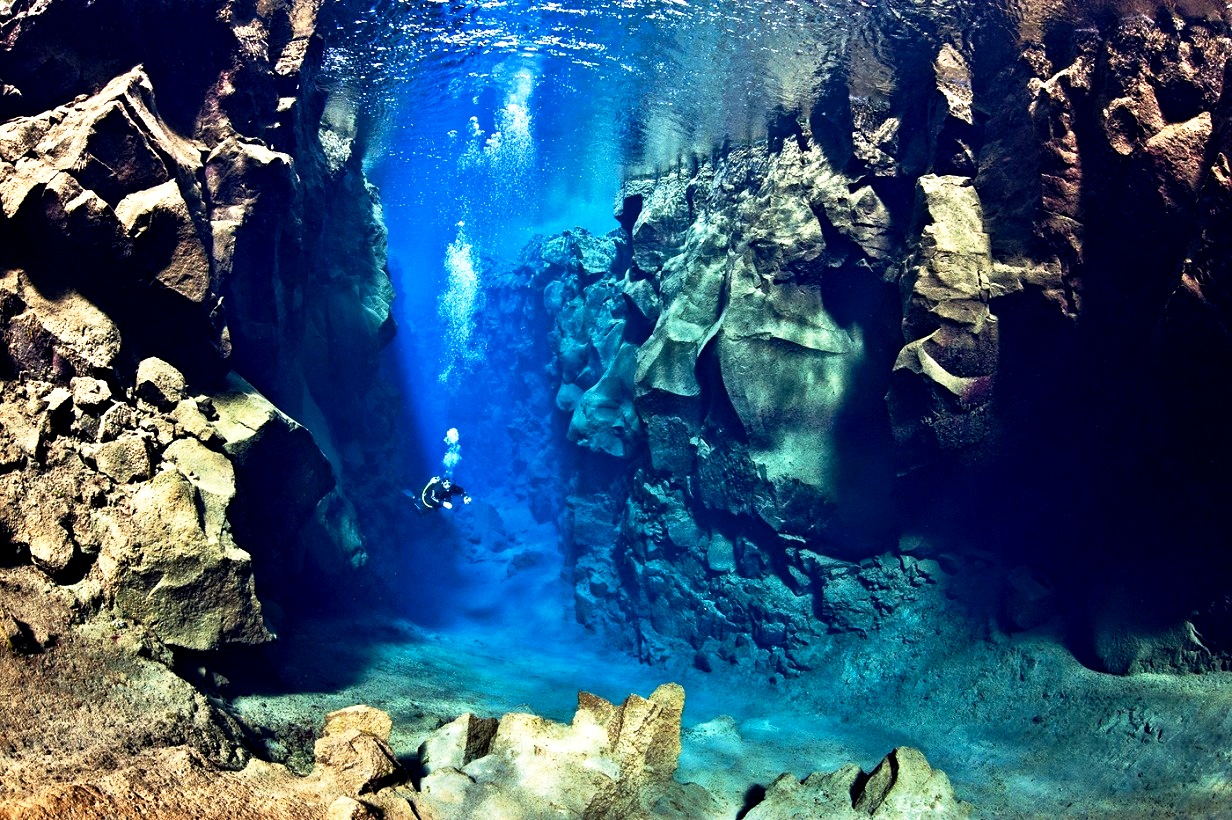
(439, 492)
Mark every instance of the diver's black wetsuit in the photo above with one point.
(439, 492)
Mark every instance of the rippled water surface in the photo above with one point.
(519, 114)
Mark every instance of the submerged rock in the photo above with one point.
(943, 381)
(457, 743)
(902, 786)
(122, 227)
(124, 460)
(610, 762)
(281, 474)
(53, 333)
(362, 717)
(351, 756)
(104, 182)
(159, 383)
(974, 274)
(191, 585)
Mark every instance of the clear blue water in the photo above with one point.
(487, 122)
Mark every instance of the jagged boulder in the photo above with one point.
(97, 150)
(902, 786)
(457, 743)
(280, 472)
(159, 384)
(821, 794)
(124, 459)
(90, 394)
(53, 334)
(353, 755)
(610, 762)
(177, 573)
(103, 181)
(36, 516)
(170, 250)
(942, 386)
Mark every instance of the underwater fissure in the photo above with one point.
(855, 365)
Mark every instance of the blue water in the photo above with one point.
(484, 123)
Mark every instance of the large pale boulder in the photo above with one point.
(159, 384)
(352, 756)
(192, 587)
(821, 794)
(362, 717)
(610, 762)
(903, 786)
(211, 473)
(457, 743)
(53, 334)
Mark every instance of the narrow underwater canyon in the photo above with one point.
(890, 412)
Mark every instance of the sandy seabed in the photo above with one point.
(1021, 728)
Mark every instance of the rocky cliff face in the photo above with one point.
(187, 203)
(956, 340)
(189, 261)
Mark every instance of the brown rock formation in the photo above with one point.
(162, 209)
(178, 782)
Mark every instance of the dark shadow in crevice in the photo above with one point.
(752, 798)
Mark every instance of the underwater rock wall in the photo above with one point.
(184, 270)
(175, 200)
(950, 349)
